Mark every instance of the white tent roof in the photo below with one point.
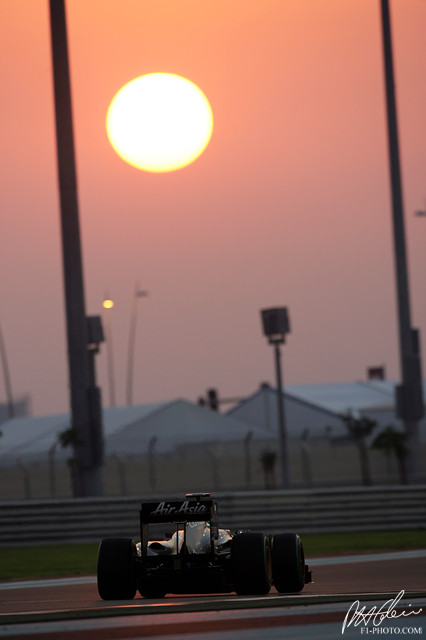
(23, 436)
(127, 430)
(302, 418)
(345, 396)
(178, 423)
(318, 407)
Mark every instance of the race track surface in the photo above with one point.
(33, 609)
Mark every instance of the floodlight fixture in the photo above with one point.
(276, 324)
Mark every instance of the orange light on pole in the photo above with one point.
(138, 293)
(108, 305)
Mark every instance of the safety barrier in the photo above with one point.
(305, 511)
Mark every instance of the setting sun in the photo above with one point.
(159, 122)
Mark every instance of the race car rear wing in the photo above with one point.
(182, 511)
(195, 508)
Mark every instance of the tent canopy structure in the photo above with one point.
(127, 430)
(310, 411)
(315, 410)
(178, 423)
(346, 396)
(302, 418)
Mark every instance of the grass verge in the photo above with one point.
(333, 544)
(17, 563)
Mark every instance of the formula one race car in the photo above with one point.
(183, 550)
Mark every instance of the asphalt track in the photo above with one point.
(70, 609)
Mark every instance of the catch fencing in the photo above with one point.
(304, 511)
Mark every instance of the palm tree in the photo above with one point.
(392, 441)
(69, 438)
(268, 460)
(359, 428)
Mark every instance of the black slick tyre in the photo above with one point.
(288, 563)
(115, 570)
(152, 589)
(250, 564)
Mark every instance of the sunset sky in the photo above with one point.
(289, 205)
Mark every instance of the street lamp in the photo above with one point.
(138, 293)
(108, 305)
(276, 325)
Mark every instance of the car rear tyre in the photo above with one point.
(152, 590)
(250, 564)
(115, 571)
(288, 563)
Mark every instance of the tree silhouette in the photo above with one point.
(69, 438)
(392, 441)
(268, 460)
(359, 428)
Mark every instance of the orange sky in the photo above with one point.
(288, 206)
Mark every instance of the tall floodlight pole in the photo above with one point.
(7, 383)
(409, 395)
(87, 475)
(275, 327)
(138, 293)
(281, 416)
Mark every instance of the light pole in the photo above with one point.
(108, 305)
(88, 478)
(7, 383)
(409, 394)
(275, 327)
(138, 293)
(151, 446)
(247, 441)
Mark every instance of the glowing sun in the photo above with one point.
(159, 122)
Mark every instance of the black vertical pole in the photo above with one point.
(285, 481)
(87, 479)
(131, 348)
(7, 383)
(409, 395)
